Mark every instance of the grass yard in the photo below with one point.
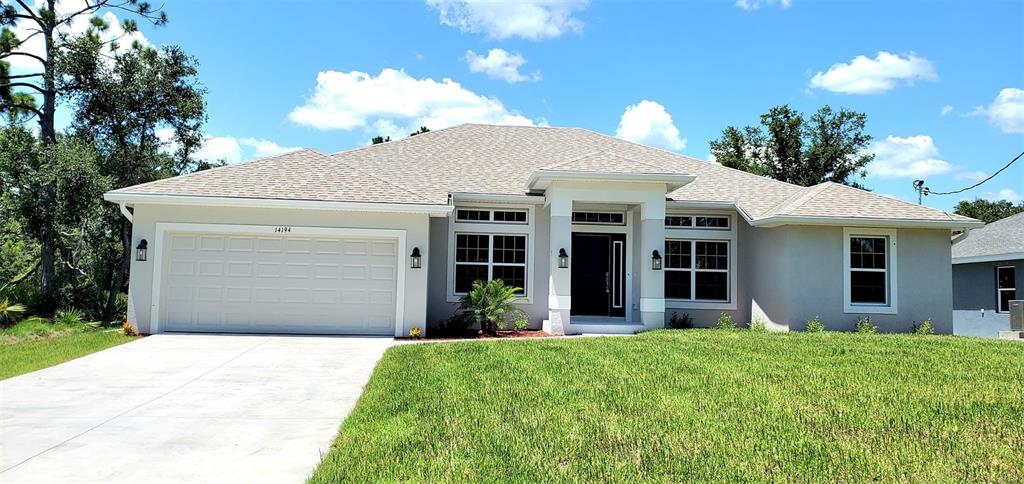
(34, 344)
(690, 405)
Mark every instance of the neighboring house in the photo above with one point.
(988, 272)
(386, 237)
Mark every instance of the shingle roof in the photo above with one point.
(1002, 237)
(489, 159)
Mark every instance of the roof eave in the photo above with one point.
(989, 258)
(779, 220)
(133, 199)
(542, 179)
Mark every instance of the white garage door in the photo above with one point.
(279, 284)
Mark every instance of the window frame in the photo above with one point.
(490, 264)
(696, 234)
(572, 218)
(1000, 290)
(490, 215)
(891, 269)
(491, 229)
(693, 270)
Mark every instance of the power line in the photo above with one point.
(929, 192)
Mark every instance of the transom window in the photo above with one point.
(868, 270)
(485, 257)
(697, 270)
(599, 218)
(491, 216)
(1006, 286)
(701, 222)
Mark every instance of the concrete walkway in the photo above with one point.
(184, 408)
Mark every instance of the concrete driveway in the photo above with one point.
(184, 408)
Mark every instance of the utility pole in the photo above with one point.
(921, 190)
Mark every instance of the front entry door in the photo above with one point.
(598, 274)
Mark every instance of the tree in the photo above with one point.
(20, 23)
(830, 146)
(376, 140)
(988, 211)
(423, 129)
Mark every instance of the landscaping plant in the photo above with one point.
(680, 322)
(924, 328)
(10, 313)
(521, 323)
(865, 326)
(814, 325)
(491, 305)
(725, 321)
(414, 332)
(759, 326)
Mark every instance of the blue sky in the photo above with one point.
(941, 82)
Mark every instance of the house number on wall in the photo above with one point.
(282, 229)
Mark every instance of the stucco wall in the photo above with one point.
(974, 285)
(146, 217)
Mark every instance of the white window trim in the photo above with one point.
(491, 228)
(891, 307)
(490, 215)
(999, 290)
(693, 221)
(490, 264)
(612, 224)
(710, 235)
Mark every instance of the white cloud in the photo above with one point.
(972, 175)
(228, 148)
(349, 100)
(873, 76)
(1007, 111)
(527, 19)
(946, 110)
(76, 26)
(1007, 194)
(500, 64)
(263, 148)
(750, 5)
(648, 123)
(910, 157)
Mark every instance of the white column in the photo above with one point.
(560, 280)
(652, 282)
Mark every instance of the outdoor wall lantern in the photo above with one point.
(415, 260)
(140, 250)
(563, 259)
(656, 260)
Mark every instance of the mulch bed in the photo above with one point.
(471, 335)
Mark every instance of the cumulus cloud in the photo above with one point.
(648, 123)
(34, 45)
(527, 19)
(1007, 194)
(910, 157)
(750, 5)
(395, 100)
(500, 64)
(863, 75)
(1006, 112)
(228, 148)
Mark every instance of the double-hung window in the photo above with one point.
(1006, 286)
(485, 257)
(869, 270)
(697, 270)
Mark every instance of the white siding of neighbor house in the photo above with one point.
(415, 227)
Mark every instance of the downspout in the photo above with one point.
(124, 211)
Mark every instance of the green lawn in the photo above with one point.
(690, 405)
(33, 344)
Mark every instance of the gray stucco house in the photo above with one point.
(604, 236)
(988, 271)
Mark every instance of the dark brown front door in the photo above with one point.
(598, 274)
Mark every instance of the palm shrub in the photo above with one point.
(814, 325)
(10, 312)
(491, 305)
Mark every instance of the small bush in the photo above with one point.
(814, 325)
(680, 322)
(725, 321)
(10, 312)
(864, 326)
(414, 332)
(129, 329)
(521, 323)
(758, 326)
(924, 328)
(68, 317)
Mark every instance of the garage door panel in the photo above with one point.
(221, 282)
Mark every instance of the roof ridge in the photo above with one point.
(331, 157)
(229, 165)
(797, 199)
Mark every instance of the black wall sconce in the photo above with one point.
(563, 259)
(416, 260)
(141, 250)
(656, 261)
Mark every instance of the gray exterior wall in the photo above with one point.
(974, 285)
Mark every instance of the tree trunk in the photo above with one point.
(48, 136)
(117, 282)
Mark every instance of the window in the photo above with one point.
(1006, 286)
(599, 218)
(701, 222)
(869, 264)
(491, 216)
(484, 257)
(697, 270)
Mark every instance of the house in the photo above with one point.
(988, 267)
(603, 235)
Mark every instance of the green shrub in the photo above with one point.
(491, 304)
(924, 328)
(10, 312)
(680, 322)
(521, 323)
(725, 321)
(68, 317)
(758, 326)
(864, 326)
(814, 325)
